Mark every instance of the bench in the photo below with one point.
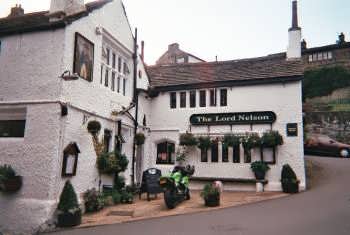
(258, 183)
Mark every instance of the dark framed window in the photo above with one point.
(108, 55)
(106, 77)
(124, 86)
(202, 98)
(165, 153)
(101, 74)
(192, 99)
(107, 139)
(118, 84)
(224, 153)
(204, 155)
(12, 128)
(125, 68)
(223, 97)
(213, 97)
(119, 64)
(182, 99)
(173, 100)
(113, 81)
(214, 152)
(236, 154)
(113, 60)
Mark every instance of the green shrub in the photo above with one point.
(209, 190)
(188, 139)
(231, 140)
(68, 199)
(204, 142)
(119, 182)
(94, 200)
(126, 197)
(250, 141)
(117, 197)
(259, 166)
(271, 139)
(288, 173)
(114, 162)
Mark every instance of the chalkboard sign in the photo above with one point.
(150, 182)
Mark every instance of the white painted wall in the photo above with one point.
(284, 100)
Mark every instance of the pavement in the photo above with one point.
(322, 210)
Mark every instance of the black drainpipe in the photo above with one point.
(135, 101)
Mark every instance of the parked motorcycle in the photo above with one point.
(176, 186)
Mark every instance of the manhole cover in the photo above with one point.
(120, 213)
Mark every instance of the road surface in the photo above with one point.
(322, 210)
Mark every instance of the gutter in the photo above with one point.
(135, 101)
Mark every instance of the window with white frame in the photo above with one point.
(114, 69)
(321, 56)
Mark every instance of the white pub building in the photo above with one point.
(76, 62)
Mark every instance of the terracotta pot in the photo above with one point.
(212, 200)
(12, 185)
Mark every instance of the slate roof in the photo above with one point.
(269, 69)
(39, 21)
(326, 48)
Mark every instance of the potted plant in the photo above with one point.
(93, 200)
(211, 195)
(250, 141)
(9, 181)
(204, 144)
(259, 168)
(290, 183)
(69, 213)
(188, 139)
(140, 139)
(94, 127)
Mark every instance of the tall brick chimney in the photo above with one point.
(16, 11)
(294, 45)
(69, 7)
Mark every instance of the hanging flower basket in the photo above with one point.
(231, 140)
(94, 127)
(140, 139)
(271, 139)
(188, 139)
(204, 143)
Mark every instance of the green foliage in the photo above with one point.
(250, 141)
(68, 199)
(271, 139)
(126, 196)
(188, 139)
(259, 166)
(94, 200)
(231, 140)
(117, 197)
(140, 139)
(114, 162)
(7, 172)
(94, 127)
(119, 182)
(322, 82)
(204, 142)
(209, 190)
(288, 173)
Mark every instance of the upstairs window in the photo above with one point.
(165, 153)
(202, 98)
(192, 99)
(118, 84)
(124, 86)
(113, 81)
(173, 100)
(119, 64)
(12, 123)
(223, 97)
(213, 97)
(182, 99)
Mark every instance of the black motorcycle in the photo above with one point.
(176, 185)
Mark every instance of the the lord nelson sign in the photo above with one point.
(266, 117)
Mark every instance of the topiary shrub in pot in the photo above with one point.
(259, 168)
(211, 195)
(290, 183)
(69, 213)
(140, 139)
(94, 200)
(9, 180)
(188, 139)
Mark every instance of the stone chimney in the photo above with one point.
(16, 11)
(341, 38)
(173, 47)
(68, 7)
(294, 45)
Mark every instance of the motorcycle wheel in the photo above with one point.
(170, 199)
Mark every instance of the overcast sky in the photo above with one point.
(230, 29)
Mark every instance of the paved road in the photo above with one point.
(323, 210)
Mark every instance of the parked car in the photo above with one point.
(325, 146)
